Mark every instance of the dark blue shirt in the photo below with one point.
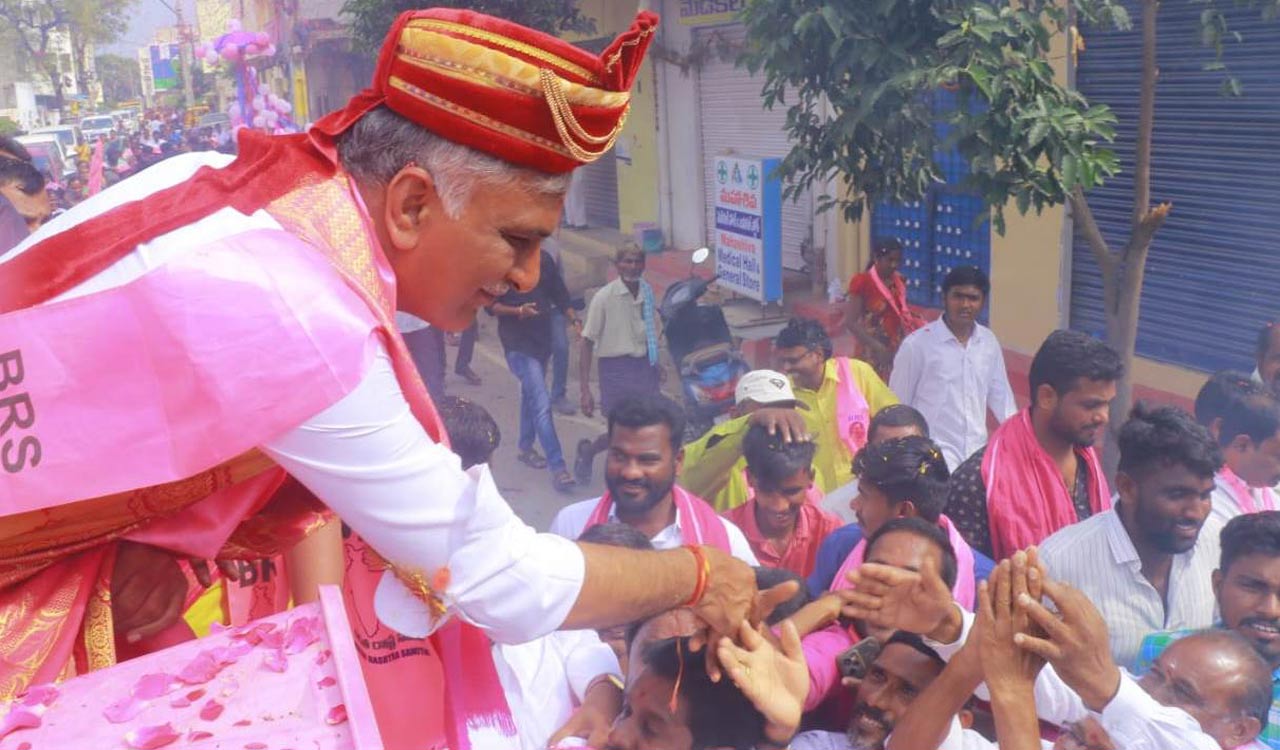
(839, 543)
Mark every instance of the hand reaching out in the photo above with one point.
(730, 599)
(1075, 643)
(889, 597)
(1008, 669)
(775, 679)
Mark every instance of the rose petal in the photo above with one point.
(151, 737)
(197, 736)
(242, 723)
(124, 709)
(327, 682)
(211, 710)
(153, 686)
(336, 715)
(303, 631)
(24, 746)
(43, 695)
(255, 634)
(20, 717)
(201, 669)
(256, 746)
(323, 656)
(180, 702)
(275, 661)
(231, 653)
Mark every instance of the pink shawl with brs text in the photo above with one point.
(963, 590)
(1027, 500)
(698, 521)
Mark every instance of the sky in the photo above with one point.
(148, 15)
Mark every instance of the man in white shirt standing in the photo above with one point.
(643, 458)
(952, 370)
(1147, 563)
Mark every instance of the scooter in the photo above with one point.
(702, 348)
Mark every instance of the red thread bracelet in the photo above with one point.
(704, 573)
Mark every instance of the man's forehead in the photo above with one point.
(908, 664)
(900, 549)
(647, 438)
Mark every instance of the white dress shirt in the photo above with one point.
(838, 502)
(953, 385)
(369, 459)
(546, 679)
(1098, 557)
(571, 521)
(1226, 505)
(818, 740)
(1133, 719)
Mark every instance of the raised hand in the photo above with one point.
(889, 597)
(1008, 670)
(775, 679)
(780, 421)
(1075, 643)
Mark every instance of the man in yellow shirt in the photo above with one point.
(841, 393)
(714, 467)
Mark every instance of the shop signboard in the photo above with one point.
(748, 227)
(706, 12)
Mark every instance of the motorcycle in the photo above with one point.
(702, 348)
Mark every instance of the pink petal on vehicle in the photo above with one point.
(151, 686)
(303, 631)
(211, 710)
(231, 653)
(323, 656)
(201, 669)
(257, 633)
(336, 715)
(124, 709)
(42, 695)
(256, 746)
(150, 737)
(327, 682)
(20, 717)
(197, 736)
(275, 661)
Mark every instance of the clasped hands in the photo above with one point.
(1014, 633)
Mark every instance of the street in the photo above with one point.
(528, 490)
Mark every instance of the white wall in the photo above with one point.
(679, 142)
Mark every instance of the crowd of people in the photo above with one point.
(853, 560)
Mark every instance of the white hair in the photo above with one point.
(381, 143)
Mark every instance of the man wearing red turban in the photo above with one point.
(193, 358)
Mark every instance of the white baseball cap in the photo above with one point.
(764, 387)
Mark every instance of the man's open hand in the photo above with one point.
(889, 597)
(1076, 643)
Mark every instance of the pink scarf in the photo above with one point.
(897, 300)
(698, 521)
(1027, 500)
(853, 415)
(963, 591)
(1243, 495)
(96, 178)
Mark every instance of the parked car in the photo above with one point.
(214, 119)
(68, 135)
(96, 126)
(126, 119)
(46, 154)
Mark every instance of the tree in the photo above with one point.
(370, 19)
(39, 22)
(93, 23)
(857, 79)
(121, 79)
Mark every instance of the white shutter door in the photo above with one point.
(733, 117)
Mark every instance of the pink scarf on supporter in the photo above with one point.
(1243, 495)
(698, 521)
(96, 178)
(897, 300)
(853, 415)
(1027, 500)
(963, 591)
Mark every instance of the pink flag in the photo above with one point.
(95, 168)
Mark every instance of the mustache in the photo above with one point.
(874, 714)
(497, 289)
(1272, 623)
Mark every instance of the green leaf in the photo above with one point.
(1069, 172)
(1037, 133)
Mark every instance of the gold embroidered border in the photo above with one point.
(99, 633)
(480, 119)
(507, 42)
(489, 67)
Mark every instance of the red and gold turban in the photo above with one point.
(521, 95)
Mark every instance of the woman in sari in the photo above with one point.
(878, 314)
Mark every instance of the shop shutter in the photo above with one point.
(1213, 273)
(733, 117)
(600, 191)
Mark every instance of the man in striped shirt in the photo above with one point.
(1247, 587)
(1146, 563)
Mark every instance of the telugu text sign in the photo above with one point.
(748, 227)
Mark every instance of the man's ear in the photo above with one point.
(1126, 487)
(1241, 731)
(409, 201)
(751, 479)
(906, 509)
(1216, 580)
(1046, 398)
(679, 461)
